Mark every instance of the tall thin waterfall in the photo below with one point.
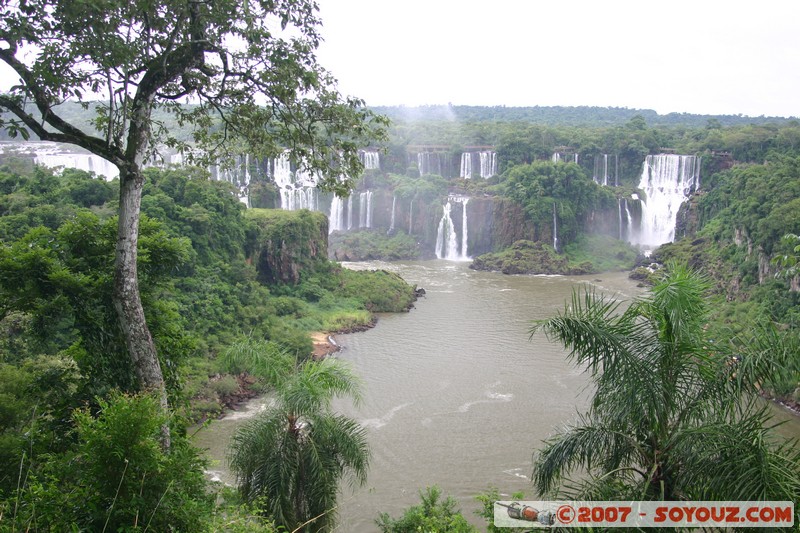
(365, 209)
(466, 165)
(447, 242)
(555, 229)
(667, 181)
(629, 219)
(556, 157)
(394, 204)
(619, 216)
(464, 253)
(349, 212)
(336, 218)
(411, 217)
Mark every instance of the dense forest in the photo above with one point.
(134, 307)
(213, 279)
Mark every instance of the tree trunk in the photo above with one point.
(127, 301)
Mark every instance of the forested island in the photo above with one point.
(187, 255)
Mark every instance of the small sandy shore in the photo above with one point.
(324, 345)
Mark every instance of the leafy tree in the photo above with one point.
(674, 416)
(248, 69)
(787, 262)
(432, 514)
(297, 451)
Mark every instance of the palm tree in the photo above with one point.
(292, 457)
(674, 415)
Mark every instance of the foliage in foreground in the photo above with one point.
(674, 416)
(116, 477)
(433, 513)
(294, 455)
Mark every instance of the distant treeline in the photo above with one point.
(584, 116)
(590, 116)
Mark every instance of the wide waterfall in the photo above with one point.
(667, 181)
(447, 242)
(56, 155)
(486, 163)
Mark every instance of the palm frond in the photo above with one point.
(590, 445)
(261, 358)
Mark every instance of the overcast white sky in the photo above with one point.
(700, 56)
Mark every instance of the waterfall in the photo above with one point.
(667, 181)
(600, 175)
(487, 164)
(446, 236)
(431, 163)
(555, 229)
(298, 188)
(576, 158)
(349, 212)
(391, 223)
(629, 219)
(411, 217)
(54, 155)
(337, 215)
(370, 159)
(556, 157)
(619, 216)
(365, 209)
(466, 165)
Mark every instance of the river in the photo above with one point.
(455, 393)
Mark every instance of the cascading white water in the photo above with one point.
(365, 209)
(370, 159)
(466, 165)
(629, 219)
(667, 181)
(431, 163)
(349, 212)
(336, 218)
(411, 217)
(464, 228)
(447, 242)
(555, 229)
(619, 216)
(487, 164)
(55, 155)
(298, 189)
(556, 157)
(391, 222)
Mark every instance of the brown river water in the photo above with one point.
(455, 393)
